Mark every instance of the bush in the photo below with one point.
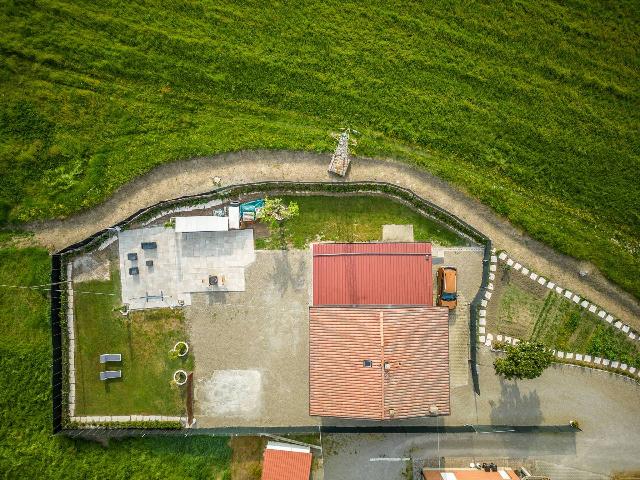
(525, 360)
(149, 425)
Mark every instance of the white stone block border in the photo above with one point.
(578, 359)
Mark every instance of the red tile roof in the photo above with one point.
(372, 274)
(468, 474)
(285, 465)
(414, 342)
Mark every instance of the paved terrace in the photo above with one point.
(182, 263)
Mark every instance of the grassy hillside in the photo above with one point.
(27, 448)
(533, 107)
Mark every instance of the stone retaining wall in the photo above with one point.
(126, 418)
(72, 342)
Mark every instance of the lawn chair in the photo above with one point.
(110, 357)
(107, 374)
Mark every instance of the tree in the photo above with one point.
(525, 360)
(276, 214)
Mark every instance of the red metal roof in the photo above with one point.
(285, 465)
(372, 274)
(413, 341)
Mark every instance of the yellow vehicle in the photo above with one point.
(447, 287)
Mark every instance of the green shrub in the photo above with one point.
(524, 360)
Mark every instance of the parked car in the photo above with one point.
(447, 287)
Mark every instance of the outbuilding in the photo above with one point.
(204, 223)
(284, 461)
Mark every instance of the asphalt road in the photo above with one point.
(386, 456)
(607, 407)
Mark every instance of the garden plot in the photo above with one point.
(523, 309)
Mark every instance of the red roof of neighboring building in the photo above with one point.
(413, 341)
(285, 465)
(372, 274)
(468, 474)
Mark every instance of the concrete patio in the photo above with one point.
(182, 264)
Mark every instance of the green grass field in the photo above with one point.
(27, 448)
(355, 219)
(533, 107)
(144, 340)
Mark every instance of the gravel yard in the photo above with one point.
(252, 347)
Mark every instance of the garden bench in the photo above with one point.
(110, 357)
(107, 374)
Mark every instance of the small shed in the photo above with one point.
(207, 223)
(284, 461)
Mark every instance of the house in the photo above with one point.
(379, 349)
(372, 274)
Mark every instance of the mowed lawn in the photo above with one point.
(27, 447)
(144, 340)
(356, 219)
(533, 107)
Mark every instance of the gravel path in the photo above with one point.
(196, 176)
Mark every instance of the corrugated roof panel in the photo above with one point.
(413, 341)
(372, 274)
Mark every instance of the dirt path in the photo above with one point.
(196, 176)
